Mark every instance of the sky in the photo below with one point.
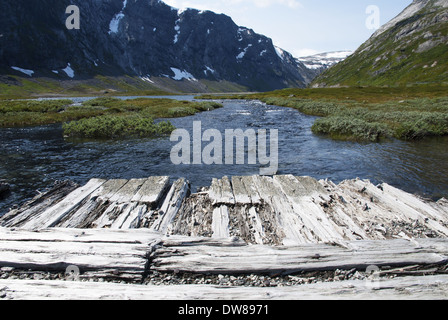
(306, 27)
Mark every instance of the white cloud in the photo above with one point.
(305, 52)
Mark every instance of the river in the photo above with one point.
(31, 159)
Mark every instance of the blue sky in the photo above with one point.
(304, 27)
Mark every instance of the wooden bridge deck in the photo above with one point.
(124, 230)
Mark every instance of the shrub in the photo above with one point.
(114, 127)
(351, 128)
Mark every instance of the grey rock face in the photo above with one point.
(143, 38)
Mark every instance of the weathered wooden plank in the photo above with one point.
(171, 205)
(94, 207)
(113, 211)
(383, 214)
(109, 188)
(311, 213)
(310, 186)
(142, 236)
(152, 190)
(124, 215)
(54, 214)
(220, 223)
(242, 196)
(296, 259)
(135, 218)
(128, 191)
(101, 253)
(227, 192)
(221, 192)
(257, 225)
(34, 207)
(291, 224)
(251, 189)
(402, 288)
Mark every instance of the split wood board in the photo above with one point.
(403, 288)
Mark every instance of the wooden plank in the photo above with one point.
(257, 225)
(93, 207)
(291, 224)
(34, 207)
(128, 191)
(402, 288)
(135, 218)
(242, 196)
(227, 192)
(171, 205)
(384, 213)
(251, 189)
(310, 186)
(142, 236)
(109, 188)
(97, 253)
(113, 211)
(291, 260)
(221, 192)
(152, 190)
(124, 215)
(184, 241)
(312, 213)
(54, 214)
(220, 223)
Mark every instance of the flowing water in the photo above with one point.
(31, 159)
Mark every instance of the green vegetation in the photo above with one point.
(16, 87)
(406, 119)
(101, 117)
(359, 94)
(21, 113)
(398, 56)
(112, 127)
(367, 114)
(156, 108)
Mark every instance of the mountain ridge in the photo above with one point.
(151, 42)
(412, 48)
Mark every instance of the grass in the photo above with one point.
(393, 57)
(23, 113)
(367, 114)
(17, 87)
(116, 127)
(101, 117)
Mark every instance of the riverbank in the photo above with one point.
(366, 114)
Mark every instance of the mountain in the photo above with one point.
(139, 41)
(322, 61)
(412, 48)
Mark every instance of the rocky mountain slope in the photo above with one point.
(146, 40)
(411, 48)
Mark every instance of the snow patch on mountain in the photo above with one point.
(115, 22)
(25, 71)
(69, 71)
(324, 60)
(208, 69)
(147, 78)
(280, 52)
(243, 53)
(182, 74)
